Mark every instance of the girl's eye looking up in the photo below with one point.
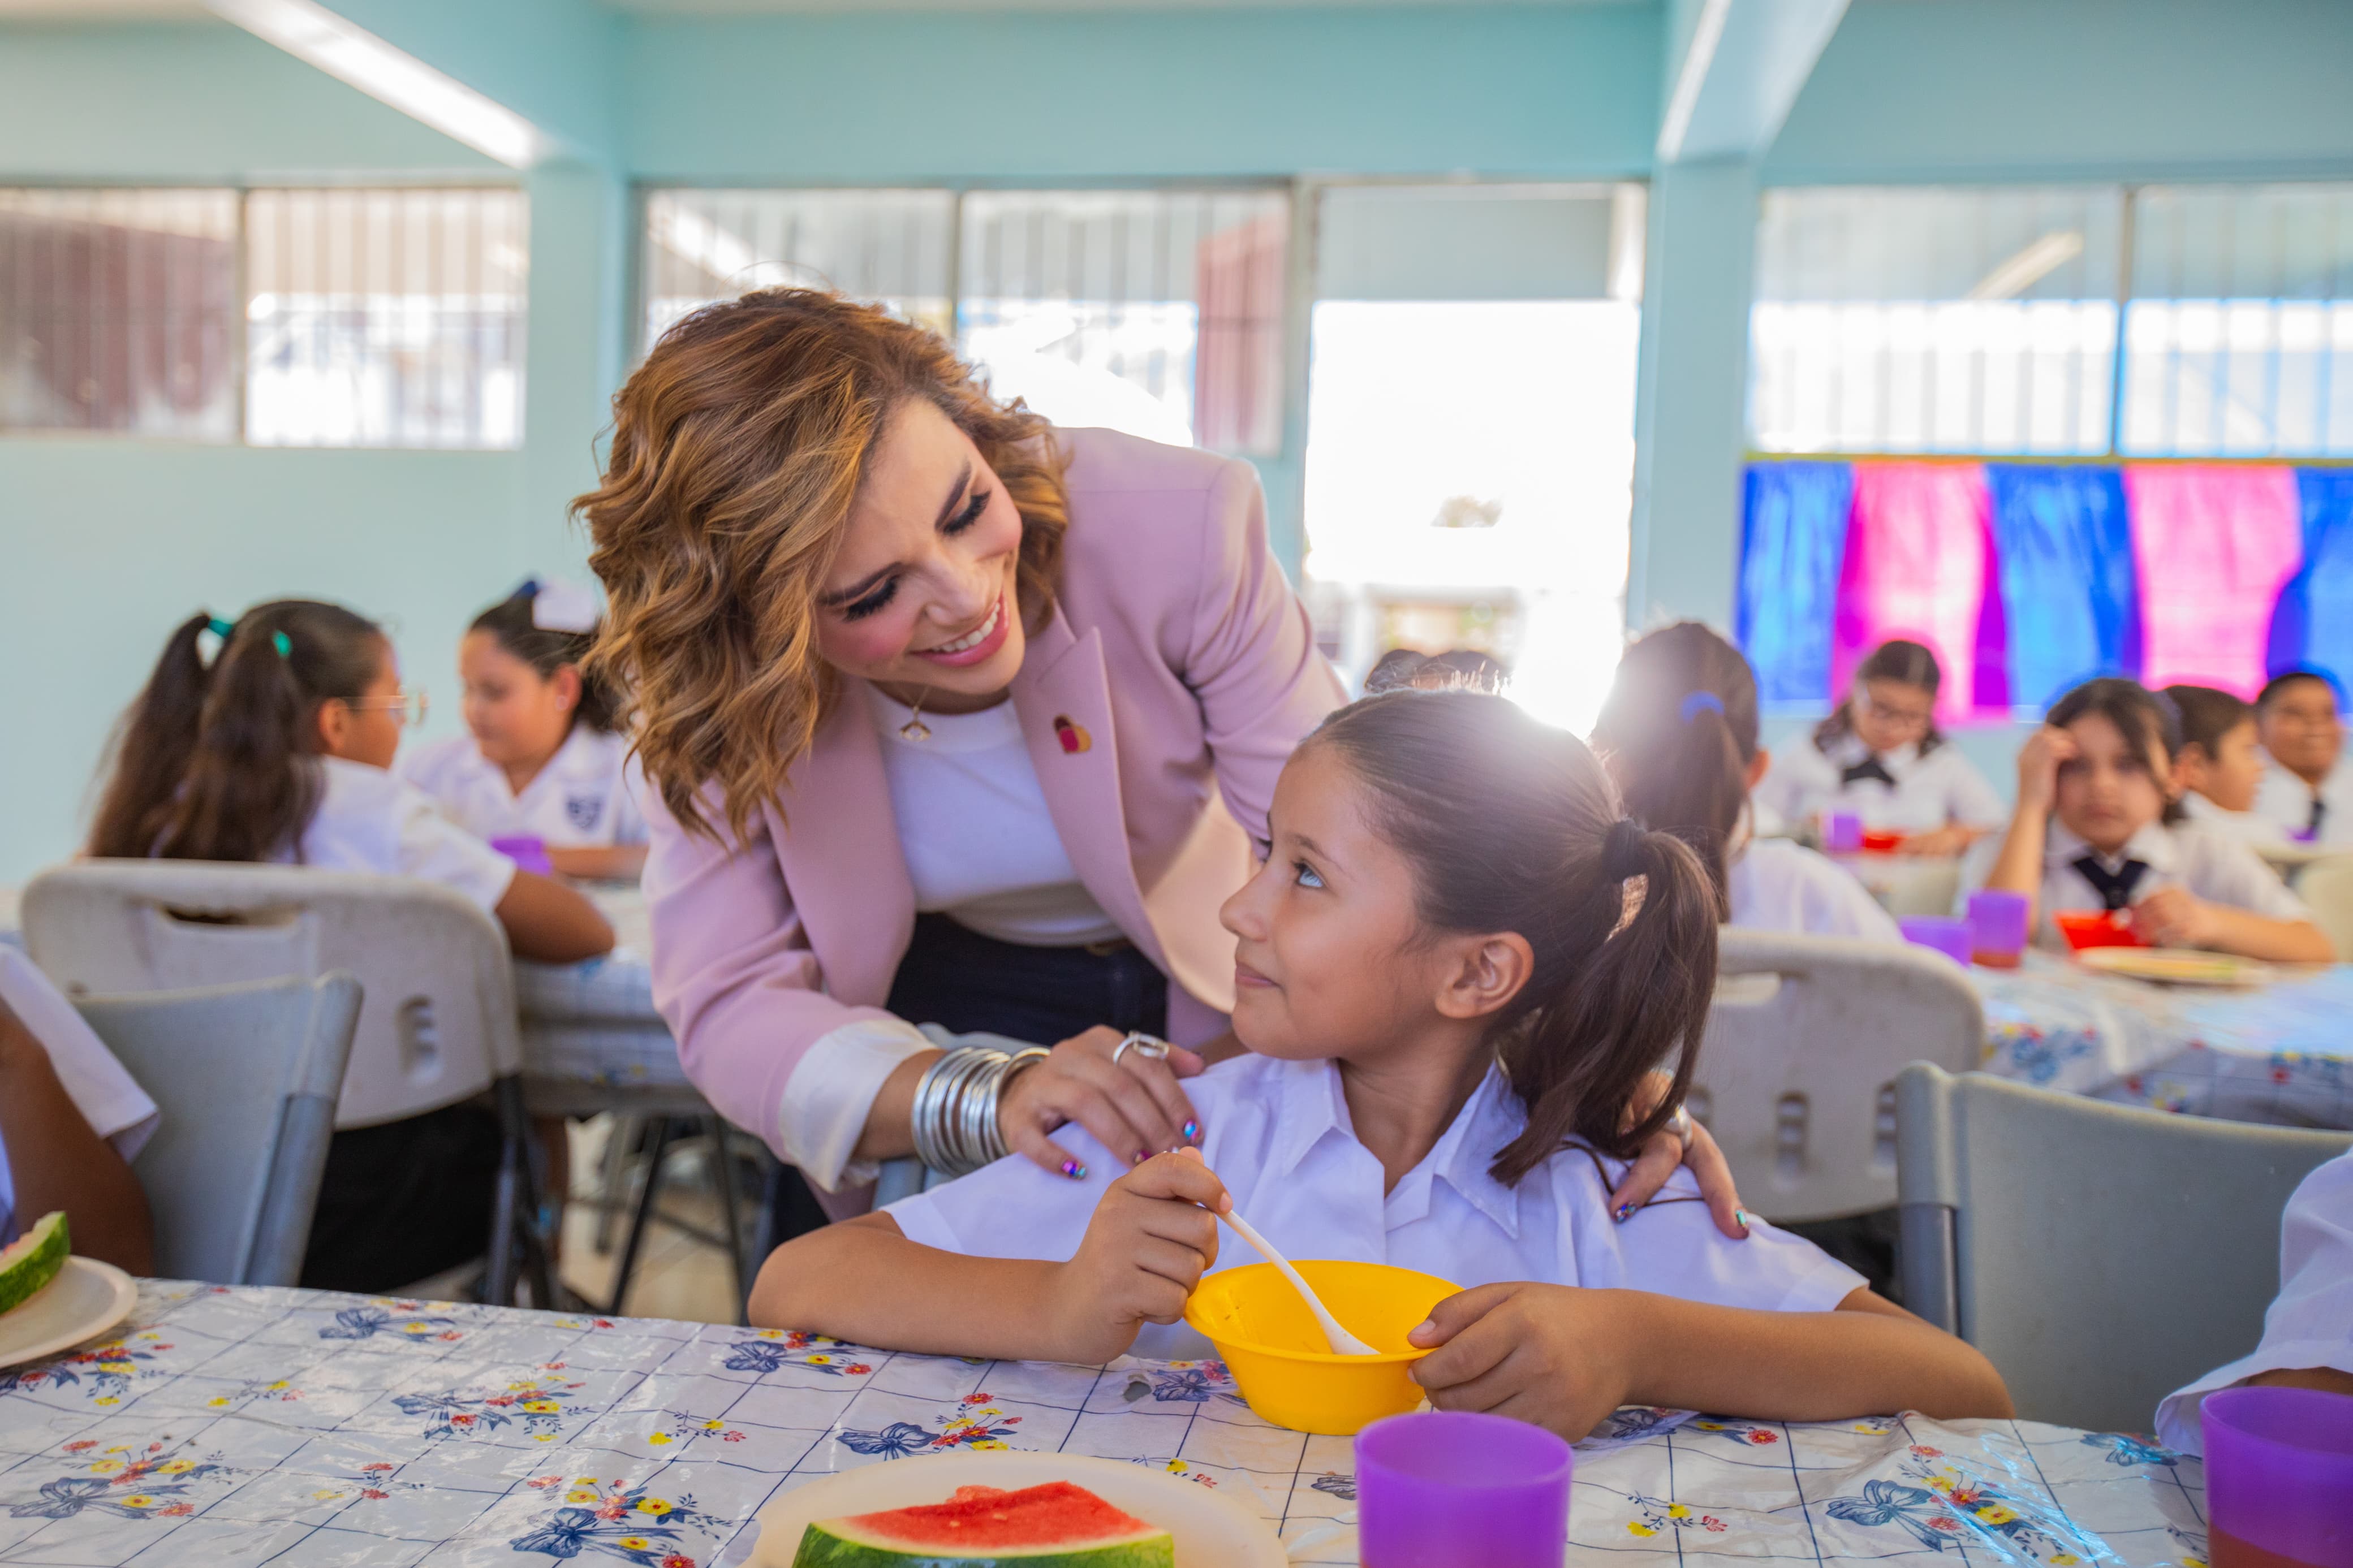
(1304, 875)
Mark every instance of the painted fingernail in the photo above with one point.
(1136, 1158)
(1622, 1213)
(1073, 1169)
(1192, 1131)
(1740, 1218)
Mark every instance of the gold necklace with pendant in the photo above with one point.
(915, 729)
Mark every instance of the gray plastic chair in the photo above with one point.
(232, 1172)
(2101, 1256)
(2326, 884)
(1797, 1073)
(437, 1025)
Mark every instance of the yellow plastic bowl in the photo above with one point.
(1270, 1341)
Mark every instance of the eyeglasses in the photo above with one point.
(405, 707)
(1896, 717)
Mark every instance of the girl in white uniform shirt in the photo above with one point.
(1679, 733)
(2097, 828)
(542, 758)
(1449, 1008)
(1882, 757)
(276, 750)
(70, 1120)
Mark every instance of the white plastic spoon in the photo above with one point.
(1342, 1341)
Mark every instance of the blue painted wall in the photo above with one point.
(103, 543)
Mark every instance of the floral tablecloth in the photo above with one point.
(295, 1427)
(2282, 1053)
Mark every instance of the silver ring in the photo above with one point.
(1143, 1044)
(1680, 1125)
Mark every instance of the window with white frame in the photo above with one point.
(1934, 319)
(2239, 335)
(345, 317)
(118, 311)
(1156, 312)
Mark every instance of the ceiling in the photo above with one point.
(179, 10)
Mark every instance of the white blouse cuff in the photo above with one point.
(830, 1094)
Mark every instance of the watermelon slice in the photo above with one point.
(1057, 1525)
(33, 1259)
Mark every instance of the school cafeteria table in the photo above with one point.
(2280, 1053)
(294, 1426)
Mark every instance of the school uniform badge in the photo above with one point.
(583, 810)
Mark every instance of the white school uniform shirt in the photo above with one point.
(1278, 1134)
(2214, 866)
(367, 820)
(1777, 885)
(2310, 1322)
(1930, 790)
(2251, 828)
(589, 796)
(2287, 800)
(109, 1098)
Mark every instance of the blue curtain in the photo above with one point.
(1793, 542)
(2070, 593)
(2312, 625)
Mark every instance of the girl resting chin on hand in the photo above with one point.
(1450, 1016)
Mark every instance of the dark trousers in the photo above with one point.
(404, 1200)
(969, 983)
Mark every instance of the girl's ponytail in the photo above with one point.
(1641, 997)
(218, 764)
(1679, 731)
(1511, 825)
(152, 746)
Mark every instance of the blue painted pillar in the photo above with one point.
(574, 355)
(1691, 429)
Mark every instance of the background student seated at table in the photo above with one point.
(2308, 1331)
(277, 750)
(2097, 827)
(1881, 756)
(70, 1120)
(2221, 767)
(543, 756)
(2309, 790)
(1679, 734)
(1449, 997)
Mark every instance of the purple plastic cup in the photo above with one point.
(2279, 1477)
(1440, 1488)
(1843, 833)
(529, 854)
(1942, 933)
(1998, 927)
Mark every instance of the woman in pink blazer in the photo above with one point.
(956, 720)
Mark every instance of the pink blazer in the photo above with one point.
(1180, 649)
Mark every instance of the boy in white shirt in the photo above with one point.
(2308, 791)
(2221, 768)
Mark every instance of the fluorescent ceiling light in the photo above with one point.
(2030, 266)
(1706, 34)
(312, 33)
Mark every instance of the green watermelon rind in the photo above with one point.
(33, 1259)
(821, 1549)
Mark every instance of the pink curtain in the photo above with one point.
(1918, 561)
(1238, 278)
(2215, 544)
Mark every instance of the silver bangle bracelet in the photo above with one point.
(955, 1116)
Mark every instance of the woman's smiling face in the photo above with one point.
(923, 593)
(1330, 957)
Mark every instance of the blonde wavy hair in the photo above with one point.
(738, 447)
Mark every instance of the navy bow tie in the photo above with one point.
(1871, 767)
(2115, 888)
